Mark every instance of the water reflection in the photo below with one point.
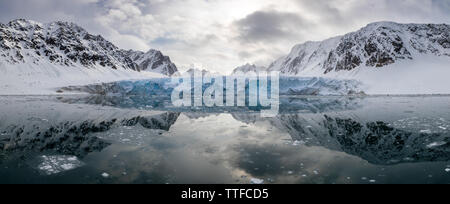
(287, 103)
(312, 140)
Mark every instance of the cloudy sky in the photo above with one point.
(221, 34)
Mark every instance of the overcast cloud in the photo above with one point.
(221, 34)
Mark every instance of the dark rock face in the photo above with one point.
(152, 60)
(373, 46)
(68, 44)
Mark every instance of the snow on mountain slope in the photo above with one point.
(36, 58)
(204, 72)
(46, 78)
(390, 58)
(248, 68)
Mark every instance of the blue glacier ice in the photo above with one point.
(163, 87)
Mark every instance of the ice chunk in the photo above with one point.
(256, 181)
(436, 144)
(58, 163)
(297, 143)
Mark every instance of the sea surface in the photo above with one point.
(319, 140)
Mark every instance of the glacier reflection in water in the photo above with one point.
(99, 139)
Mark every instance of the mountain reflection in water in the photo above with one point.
(75, 139)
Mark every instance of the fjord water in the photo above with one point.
(96, 139)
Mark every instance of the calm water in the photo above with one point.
(89, 139)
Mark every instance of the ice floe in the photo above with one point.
(58, 163)
(256, 181)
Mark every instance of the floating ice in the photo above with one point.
(256, 181)
(105, 175)
(297, 143)
(424, 125)
(58, 163)
(436, 144)
(447, 170)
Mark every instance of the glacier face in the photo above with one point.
(163, 87)
(376, 45)
(67, 44)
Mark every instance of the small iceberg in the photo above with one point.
(256, 181)
(436, 144)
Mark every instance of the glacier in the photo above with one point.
(163, 87)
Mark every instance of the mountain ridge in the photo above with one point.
(67, 44)
(378, 44)
(248, 68)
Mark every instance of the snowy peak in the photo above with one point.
(248, 68)
(153, 60)
(67, 44)
(204, 72)
(376, 45)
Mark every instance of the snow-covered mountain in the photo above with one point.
(390, 57)
(32, 54)
(191, 71)
(68, 44)
(248, 68)
(376, 45)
